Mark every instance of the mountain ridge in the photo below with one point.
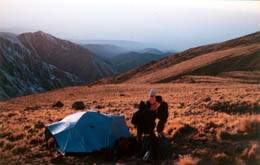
(165, 63)
(66, 55)
(22, 72)
(48, 62)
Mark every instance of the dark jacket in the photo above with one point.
(144, 119)
(162, 115)
(162, 112)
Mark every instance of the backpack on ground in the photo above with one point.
(164, 148)
(149, 149)
(125, 147)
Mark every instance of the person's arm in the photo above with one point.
(164, 115)
(133, 121)
(162, 118)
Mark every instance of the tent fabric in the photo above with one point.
(85, 132)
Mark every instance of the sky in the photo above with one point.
(168, 24)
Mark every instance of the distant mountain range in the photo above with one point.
(127, 61)
(105, 50)
(122, 59)
(124, 44)
(35, 62)
(237, 59)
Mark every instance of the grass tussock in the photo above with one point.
(188, 160)
(20, 150)
(250, 128)
(252, 152)
(247, 129)
(183, 133)
(232, 107)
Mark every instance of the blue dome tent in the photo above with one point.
(85, 132)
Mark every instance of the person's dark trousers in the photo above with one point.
(140, 140)
(139, 143)
(139, 135)
(155, 146)
(160, 127)
(150, 146)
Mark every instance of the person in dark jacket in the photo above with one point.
(161, 114)
(144, 120)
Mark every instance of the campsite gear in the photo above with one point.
(85, 132)
(164, 149)
(50, 143)
(155, 148)
(149, 148)
(125, 146)
(147, 155)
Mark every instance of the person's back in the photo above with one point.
(144, 120)
(162, 114)
(162, 111)
(137, 116)
(148, 121)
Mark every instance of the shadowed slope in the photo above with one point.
(23, 72)
(66, 55)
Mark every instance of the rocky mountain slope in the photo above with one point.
(34, 62)
(240, 55)
(23, 72)
(67, 56)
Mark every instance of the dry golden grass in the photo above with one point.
(188, 160)
(215, 137)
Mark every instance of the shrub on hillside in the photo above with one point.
(233, 106)
(78, 105)
(183, 133)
